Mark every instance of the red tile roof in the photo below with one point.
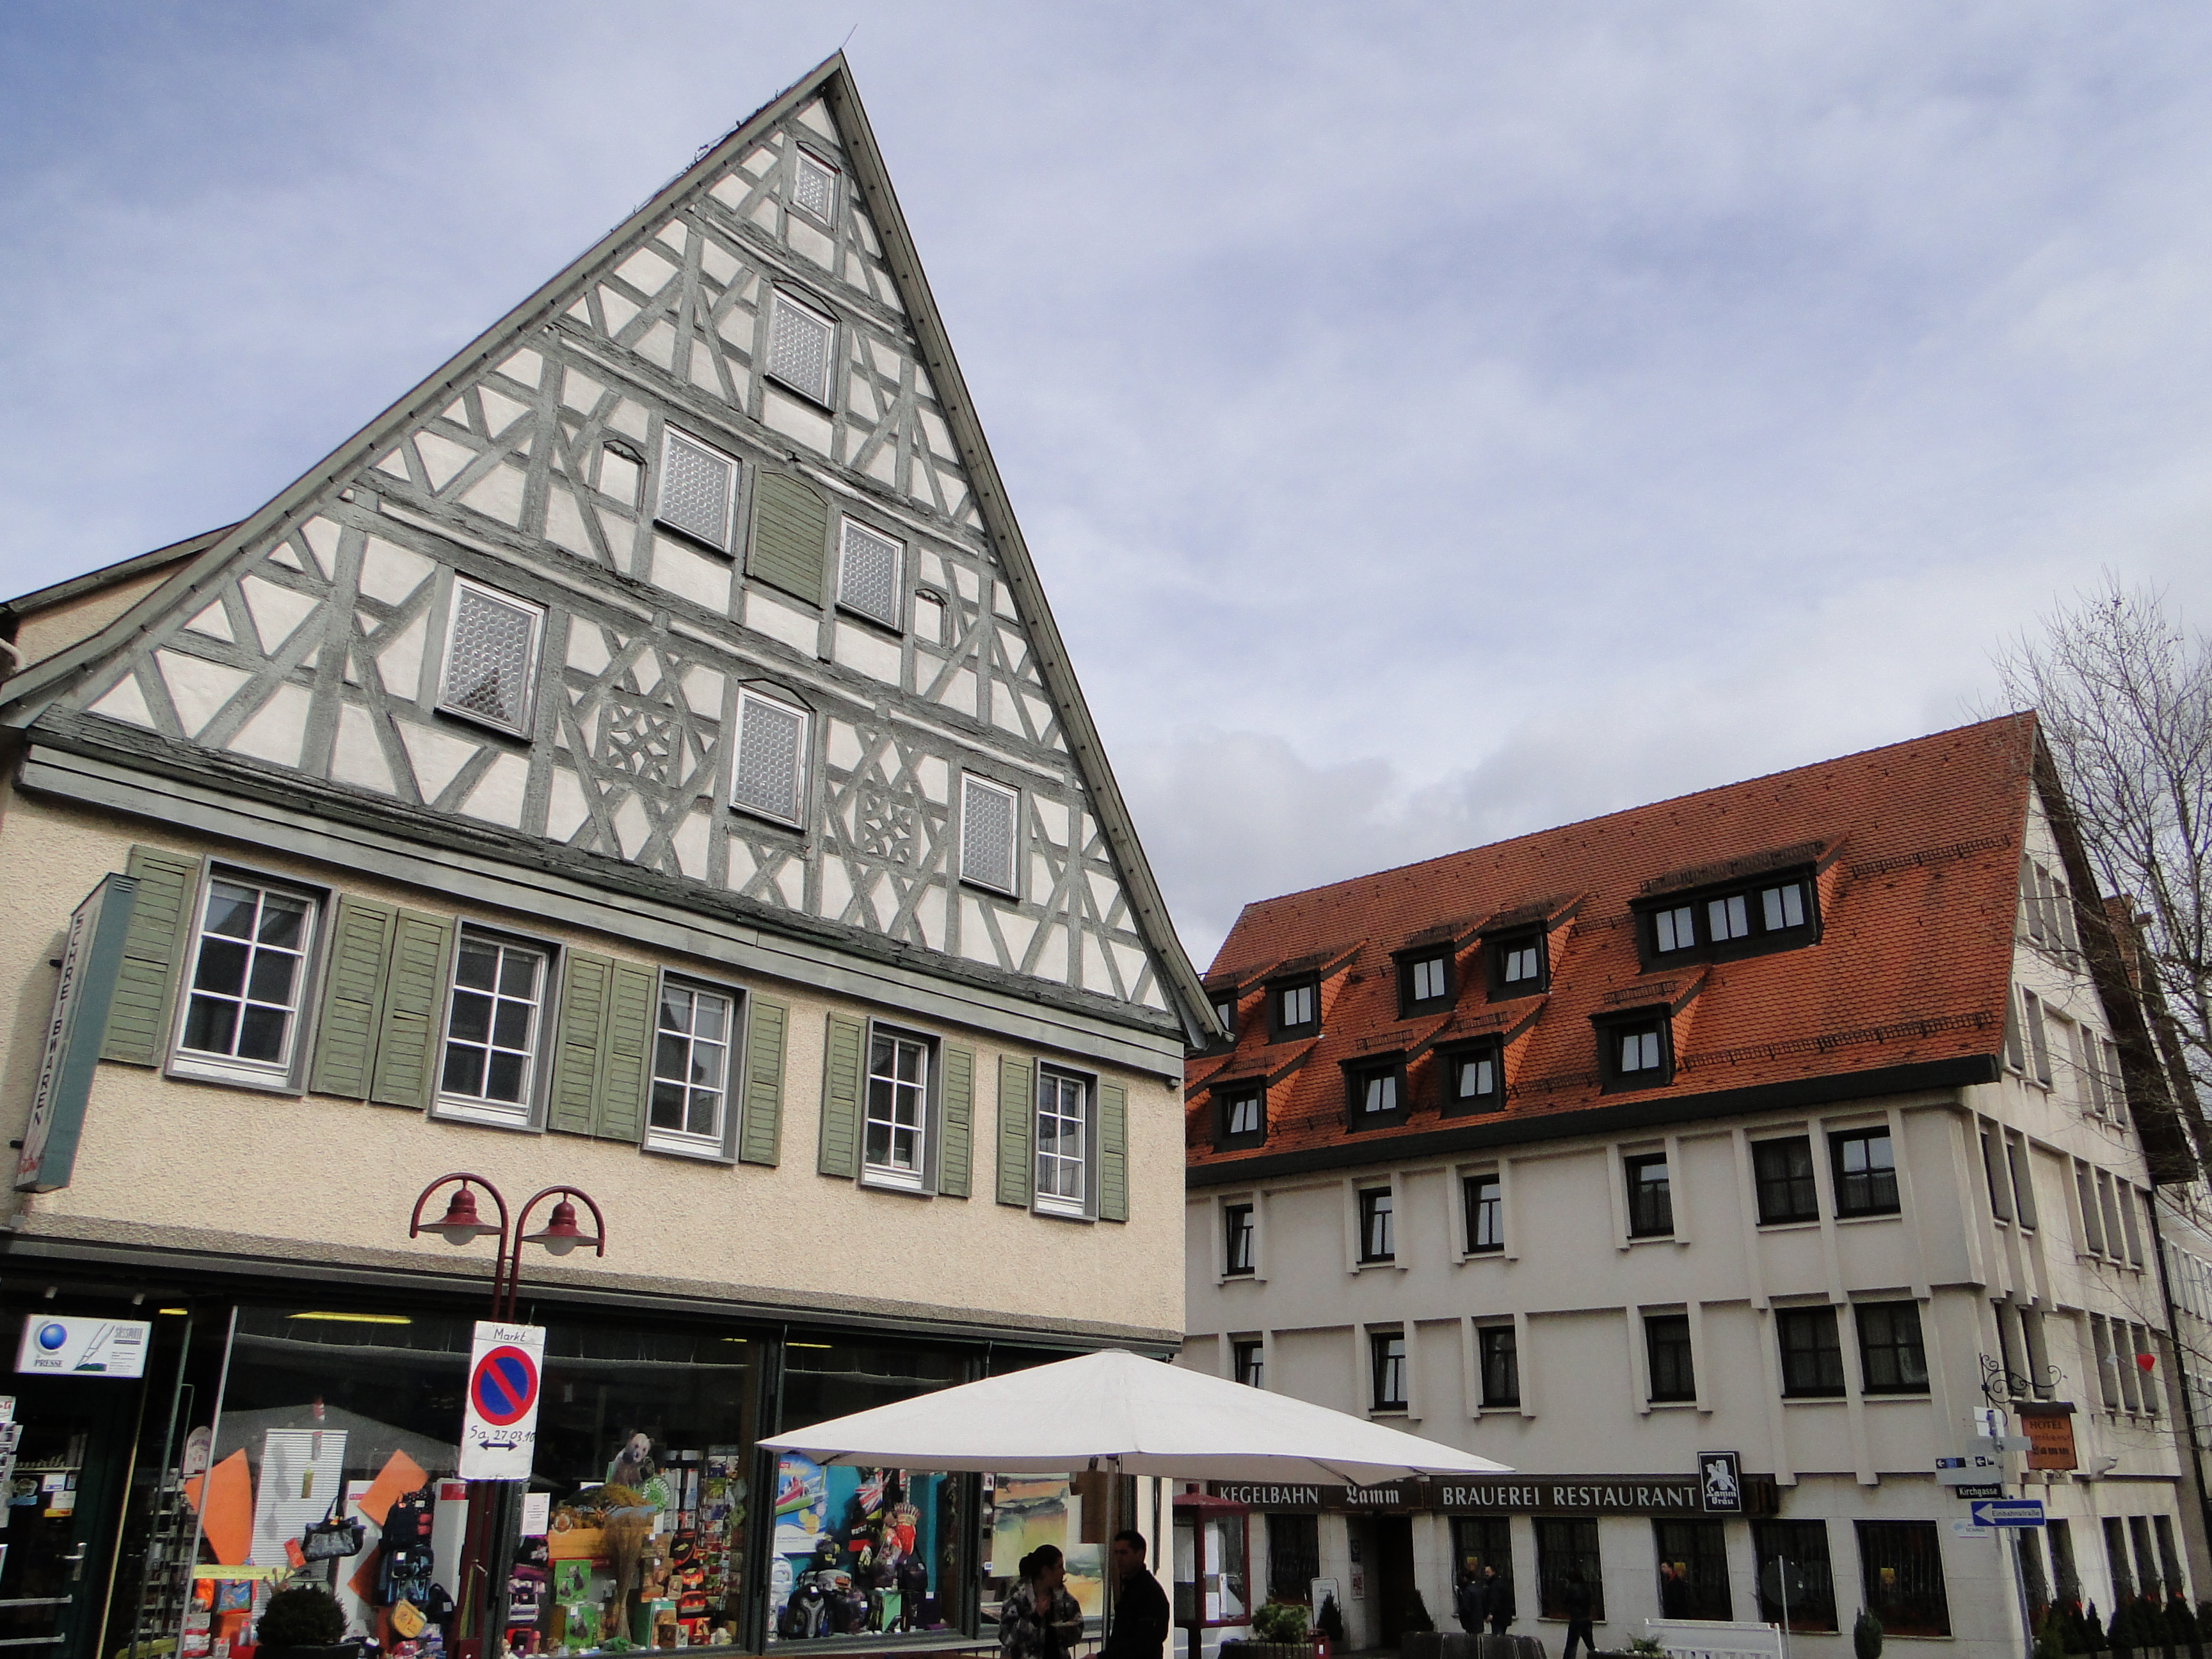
(1918, 846)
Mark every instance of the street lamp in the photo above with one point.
(461, 1225)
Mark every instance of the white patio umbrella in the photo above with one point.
(1113, 1409)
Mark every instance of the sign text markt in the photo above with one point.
(499, 1414)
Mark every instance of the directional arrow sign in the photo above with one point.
(2006, 1512)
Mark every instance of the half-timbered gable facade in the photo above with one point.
(642, 759)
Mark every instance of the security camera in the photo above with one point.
(2101, 1467)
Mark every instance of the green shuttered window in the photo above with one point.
(790, 535)
(1113, 1152)
(604, 1035)
(1016, 1109)
(760, 1136)
(408, 1014)
(353, 990)
(839, 1153)
(138, 1018)
(956, 1089)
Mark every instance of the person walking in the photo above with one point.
(1039, 1619)
(1576, 1602)
(1467, 1597)
(1141, 1606)
(1497, 1600)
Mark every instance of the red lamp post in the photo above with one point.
(461, 1225)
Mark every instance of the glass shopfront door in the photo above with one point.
(71, 1461)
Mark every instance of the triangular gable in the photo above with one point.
(308, 636)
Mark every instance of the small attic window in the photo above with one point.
(697, 490)
(771, 771)
(1746, 918)
(814, 187)
(491, 657)
(800, 341)
(988, 816)
(622, 472)
(868, 566)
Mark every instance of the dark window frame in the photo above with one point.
(1240, 1226)
(1564, 1542)
(1385, 1366)
(1293, 1556)
(1892, 1346)
(1498, 946)
(1668, 1335)
(1471, 1203)
(1910, 1550)
(1702, 1545)
(1278, 1032)
(1805, 1365)
(1356, 1075)
(1612, 1028)
(1369, 1210)
(1406, 961)
(1498, 1366)
(1225, 1010)
(1224, 1101)
(1870, 1185)
(1786, 1197)
(1805, 1545)
(1652, 1224)
(1248, 1362)
(1760, 940)
(1450, 1102)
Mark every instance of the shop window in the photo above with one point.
(1243, 1117)
(1472, 1077)
(1378, 1232)
(1063, 1142)
(1891, 1359)
(1293, 1556)
(248, 976)
(1865, 1172)
(771, 769)
(1482, 1543)
(1497, 1354)
(691, 1047)
(494, 1027)
(1251, 1361)
(895, 1144)
(1783, 1171)
(988, 815)
(1797, 1588)
(1238, 1239)
(1693, 1576)
(1667, 1349)
(1565, 1549)
(1650, 1196)
(1902, 1569)
(1387, 1353)
(1485, 1196)
(1812, 1358)
(491, 657)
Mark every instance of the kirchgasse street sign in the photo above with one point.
(499, 1414)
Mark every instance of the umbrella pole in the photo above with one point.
(1106, 1551)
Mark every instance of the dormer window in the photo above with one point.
(1294, 1007)
(1225, 1010)
(1376, 1091)
(1424, 983)
(1472, 1077)
(1768, 913)
(1243, 1116)
(1518, 967)
(1636, 1051)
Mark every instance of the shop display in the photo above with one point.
(854, 1552)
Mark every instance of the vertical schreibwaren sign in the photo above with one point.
(499, 1418)
(91, 961)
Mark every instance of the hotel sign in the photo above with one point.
(1505, 1494)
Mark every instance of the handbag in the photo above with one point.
(334, 1537)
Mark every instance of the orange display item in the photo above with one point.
(226, 1506)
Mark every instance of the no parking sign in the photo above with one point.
(499, 1419)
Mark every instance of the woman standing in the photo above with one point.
(1039, 1619)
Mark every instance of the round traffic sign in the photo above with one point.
(504, 1387)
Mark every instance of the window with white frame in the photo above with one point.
(2039, 1038)
(896, 1136)
(771, 769)
(868, 568)
(1677, 928)
(814, 186)
(491, 656)
(494, 1025)
(698, 489)
(248, 976)
(1063, 1142)
(691, 1047)
(988, 816)
(800, 343)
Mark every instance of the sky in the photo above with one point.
(1432, 423)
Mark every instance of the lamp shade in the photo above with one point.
(561, 1234)
(460, 1223)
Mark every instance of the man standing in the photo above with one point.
(1141, 1606)
(1497, 1600)
(1468, 1599)
(1578, 1605)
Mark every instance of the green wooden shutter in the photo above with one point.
(353, 987)
(760, 1133)
(624, 1077)
(579, 1030)
(160, 923)
(841, 1097)
(956, 1102)
(1017, 1124)
(407, 1022)
(1113, 1152)
(790, 535)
